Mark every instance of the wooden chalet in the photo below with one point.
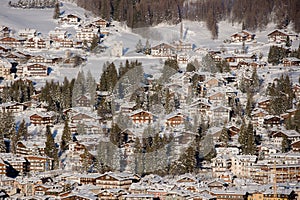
(36, 43)
(87, 33)
(291, 135)
(243, 36)
(5, 31)
(70, 19)
(163, 50)
(291, 61)
(4, 49)
(141, 117)
(83, 101)
(36, 70)
(27, 33)
(38, 163)
(41, 59)
(100, 23)
(12, 42)
(175, 120)
(258, 116)
(26, 148)
(57, 33)
(228, 195)
(13, 107)
(83, 117)
(42, 119)
(3, 167)
(111, 180)
(296, 146)
(61, 43)
(296, 90)
(281, 36)
(270, 121)
(264, 103)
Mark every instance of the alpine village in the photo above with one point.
(134, 100)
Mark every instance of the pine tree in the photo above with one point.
(139, 47)
(224, 137)
(94, 42)
(50, 148)
(66, 137)
(285, 144)
(288, 42)
(56, 11)
(147, 49)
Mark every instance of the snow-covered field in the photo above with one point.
(194, 32)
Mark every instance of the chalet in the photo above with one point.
(163, 50)
(70, 19)
(5, 31)
(61, 43)
(291, 61)
(79, 196)
(200, 107)
(42, 119)
(111, 180)
(296, 146)
(26, 148)
(15, 57)
(140, 197)
(57, 34)
(38, 163)
(89, 179)
(216, 98)
(41, 189)
(258, 115)
(264, 103)
(36, 43)
(35, 70)
(233, 130)
(111, 194)
(221, 114)
(175, 120)
(291, 135)
(27, 33)
(43, 59)
(270, 121)
(296, 90)
(13, 107)
(212, 82)
(100, 23)
(83, 117)
(141, 117)
(4, 49)
(227, 195)
(83, 101)
(12, 41)
(281, 36)
(217, 184)
(5, 68)
(87, 34)
(243, 36)
(16, 165)
(3, 167)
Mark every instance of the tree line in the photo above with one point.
(252, 14)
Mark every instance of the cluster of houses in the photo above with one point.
(26, 174)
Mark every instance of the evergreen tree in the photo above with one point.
(190, 67)
(285, 145)
(147, 49)
(22, 130)
(288, 42)
(56, 11)
(247, 139)
(66, 136)
(297, 119)
(94, 42)
(50, 148)
(224, 137)
(139, 47)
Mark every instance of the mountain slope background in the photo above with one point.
(254, 14)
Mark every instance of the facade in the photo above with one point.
(41, 119)
(35, 70)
